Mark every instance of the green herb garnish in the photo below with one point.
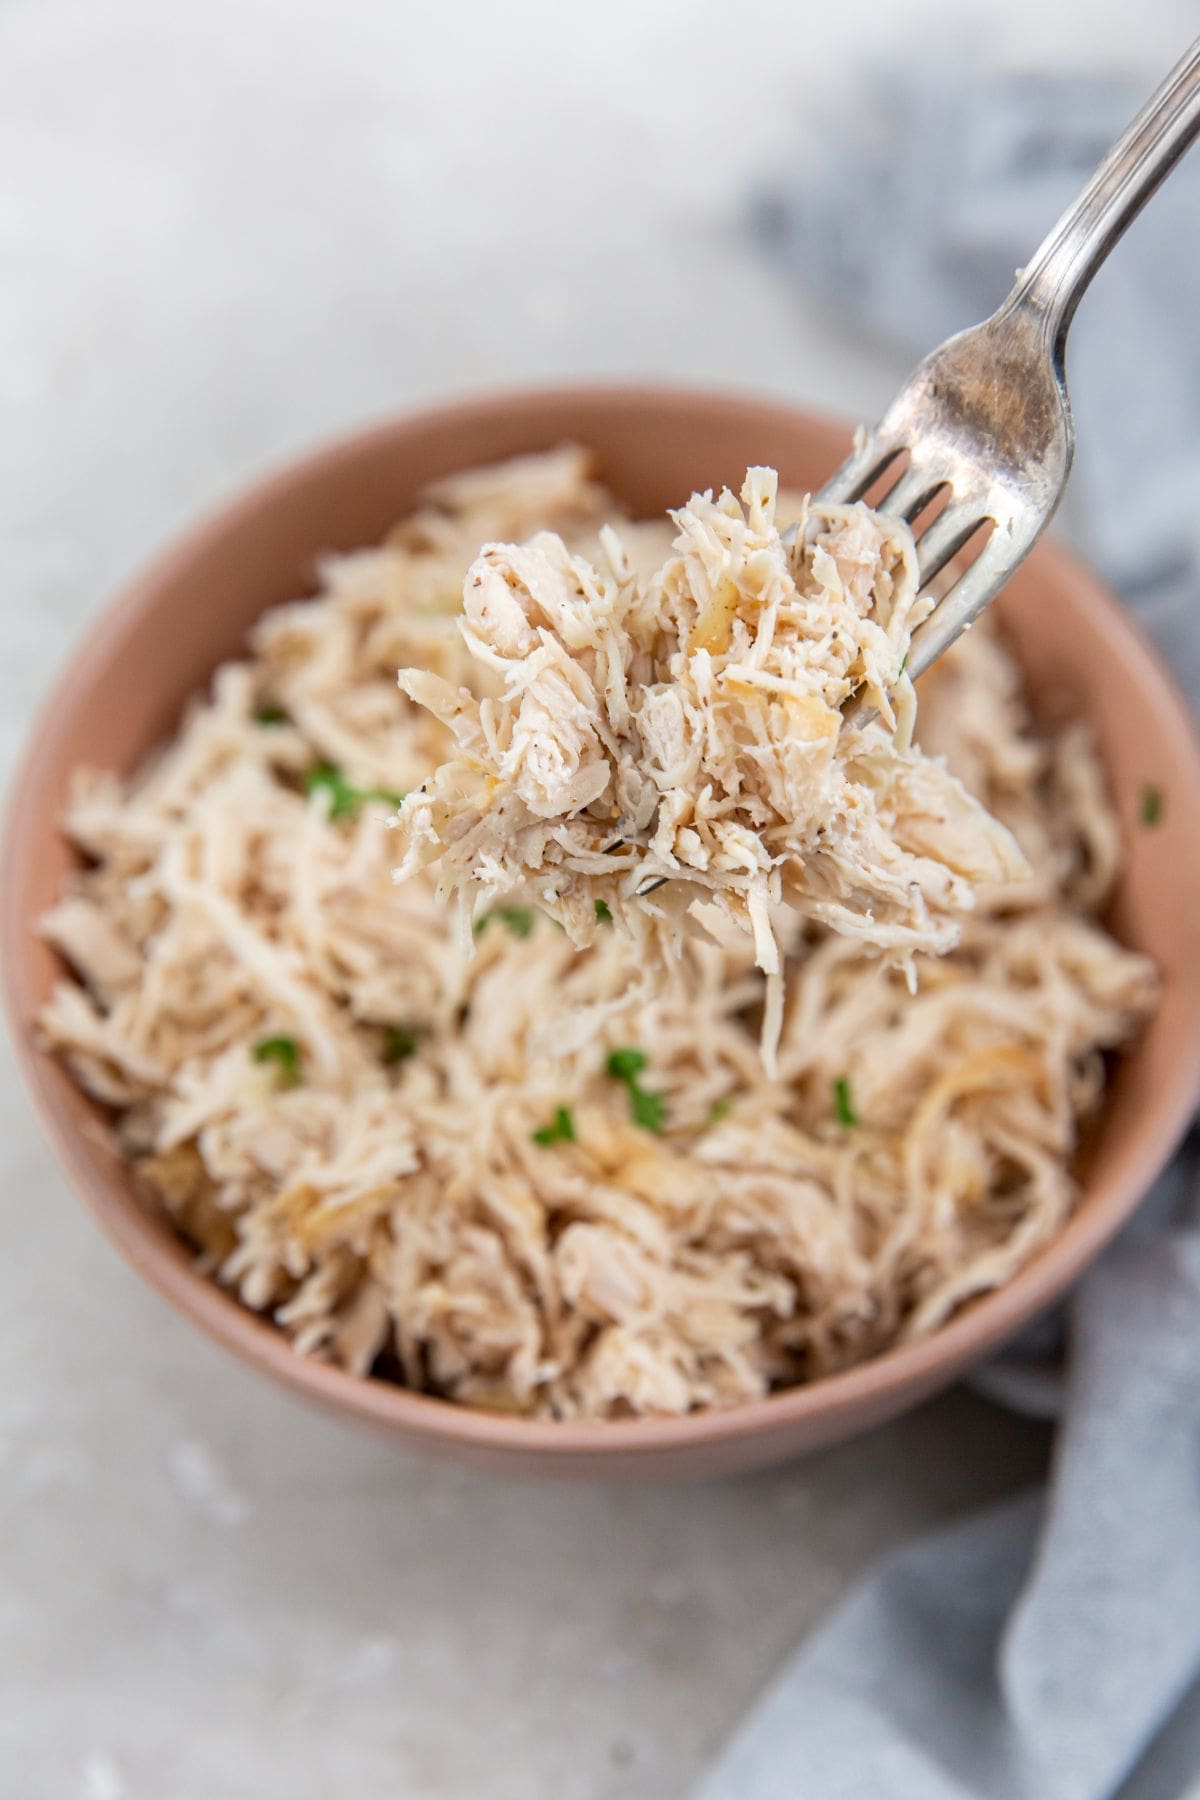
(649, 1110)
(285, 1053)
(1151, 810)
(519, 919)
(903, 665)
(720, 1109)
(271, 715)
(843, 1101)
(561, 1129)
(344, 798)
(602, 912)
(646, 1108)
(398, 1044)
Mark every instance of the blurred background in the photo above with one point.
(227, 230)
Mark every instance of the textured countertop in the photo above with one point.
(224, 231)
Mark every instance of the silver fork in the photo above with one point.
(986, 420)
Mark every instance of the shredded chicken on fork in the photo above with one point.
(677, 737)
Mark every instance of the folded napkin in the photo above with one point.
(1048, 1649)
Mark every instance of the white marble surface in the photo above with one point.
(226, 229)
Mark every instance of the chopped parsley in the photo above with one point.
(646, 1108)
(561, 1129)
(344, 798)
(649, 1110)
(1151, 809)
(271, 715)
(284, 1052)
(519, 919)
(843, 1101)
(398, 1044)
(720, 1109)
(602, 912)
(903, 665)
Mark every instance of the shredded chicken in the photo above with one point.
(519, 1175)
(674, 736)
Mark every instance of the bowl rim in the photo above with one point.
(152, 1249)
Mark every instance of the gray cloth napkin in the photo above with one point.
(1048, 1649)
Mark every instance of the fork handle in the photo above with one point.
(1053, 281)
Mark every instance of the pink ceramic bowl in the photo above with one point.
(157, 644)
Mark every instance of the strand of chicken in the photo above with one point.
(677, 736)
(515, 1175)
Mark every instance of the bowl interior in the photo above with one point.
(125, 687)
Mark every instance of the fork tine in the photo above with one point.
(912, 493)
(946, 537)
(864, 465)
(962, 605)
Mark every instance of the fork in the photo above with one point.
(985, 421)
(983, 426)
